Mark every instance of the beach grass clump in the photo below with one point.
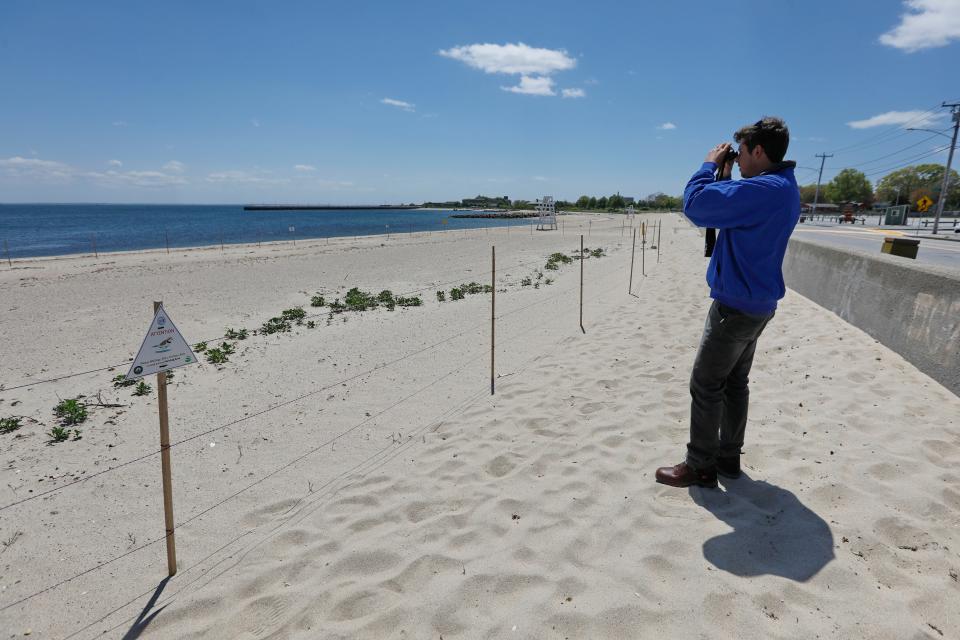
(232, 334)
(275, 325)
(359, 300)
(311, 324)
(200, 347)
(70, 411)
(142, 389)
(441, 296)
(217, 356)
(296, 314)
(318, 301)
(120, 381)
(9, 425)
(227, 348)
(526, 282)
(58, 434)
(555, 260)
(412, 301)
(596, 253)
(471, 288)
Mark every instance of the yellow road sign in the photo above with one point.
(924, 203)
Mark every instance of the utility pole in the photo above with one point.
(955, 106)
(816, 196)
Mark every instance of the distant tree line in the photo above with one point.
(904, 186)
(616, 202)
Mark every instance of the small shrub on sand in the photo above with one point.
(70, 411)
(231, 334)
(142, 389)
(120, 381)
(216, 356)
(9, 425)
(317, 301)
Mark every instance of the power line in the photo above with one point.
(909, 161)
(897, 130)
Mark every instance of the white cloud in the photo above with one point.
(913, 118)
(52, 171)
(245, 177)
(511, 58)
(135, 178)
(406, 106)
(119, 123)
(533, 86)
(19, 167)
(304, 167)
(573, 93)
(927, 24)
(667, 126)
(541, 178)
(175, 166)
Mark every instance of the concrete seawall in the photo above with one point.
(911, 308)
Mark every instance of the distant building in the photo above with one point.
(628, 200)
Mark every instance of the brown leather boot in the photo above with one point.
(685, 476)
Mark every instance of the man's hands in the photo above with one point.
(718, 154)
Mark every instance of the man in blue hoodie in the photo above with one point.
(755, 217)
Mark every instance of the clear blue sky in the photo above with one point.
(370, 102)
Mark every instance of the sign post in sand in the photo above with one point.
(493, 309)
(581, 284)
(633, 252)
(163, 349)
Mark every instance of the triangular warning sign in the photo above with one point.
(163, 348)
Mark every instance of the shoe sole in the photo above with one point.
(705, 485)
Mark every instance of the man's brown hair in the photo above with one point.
(768, 132)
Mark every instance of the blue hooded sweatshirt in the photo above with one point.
(754, 218)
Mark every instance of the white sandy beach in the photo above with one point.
(358, 480)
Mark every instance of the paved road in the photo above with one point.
(944, 253)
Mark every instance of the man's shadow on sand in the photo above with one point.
(773, 532)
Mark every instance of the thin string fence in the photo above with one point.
(310, 316)
(315, 499)
(323, 444)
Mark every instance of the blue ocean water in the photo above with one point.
(60, 229)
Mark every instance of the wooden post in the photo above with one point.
(6, 249)
(93, 239)
(590, 228)
(165, 465)
(581, 284)
(166, 240)
(493, 310)
(221, 241)
(643, 250)
(659, 236)
(633, 251)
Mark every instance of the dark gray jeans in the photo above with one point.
(719, 384)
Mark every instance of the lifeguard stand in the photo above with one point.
(548, 214)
